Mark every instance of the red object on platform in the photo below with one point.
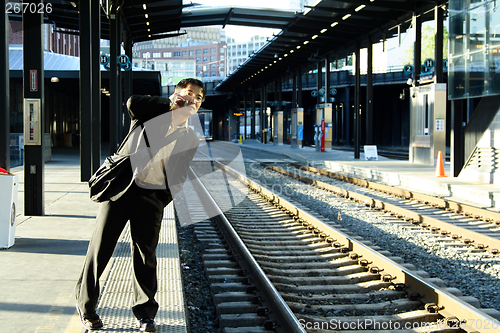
(322, 135)
(2, 170)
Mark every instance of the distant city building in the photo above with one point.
(239, 52)
(203, 60)
(62, 41)
(197, 34)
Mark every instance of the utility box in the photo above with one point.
(278, 128)
(427, 123)
(8, 207)
(297, 127)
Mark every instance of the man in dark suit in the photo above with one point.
(160, 168)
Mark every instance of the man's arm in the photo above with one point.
(146, 106)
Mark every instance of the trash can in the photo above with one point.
(8, 207)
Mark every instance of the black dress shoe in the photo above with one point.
(90, 321)
(147, 325)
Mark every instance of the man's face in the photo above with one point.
(194, 93)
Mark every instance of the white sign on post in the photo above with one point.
(371, 153)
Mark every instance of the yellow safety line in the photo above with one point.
(74, 325)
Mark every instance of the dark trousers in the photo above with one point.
(144, 209)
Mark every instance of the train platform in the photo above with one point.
(40, 270)
(412, 176)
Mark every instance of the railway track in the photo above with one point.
(279, 266)
(467, 224)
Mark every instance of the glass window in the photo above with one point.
(191, 52)
(474, 55)
(177, 54)
(205, 59)
(212, 58)
(184, 53)
(167, 54)
(198, 51)
(213, 50)
(198, 59)
(205, 51)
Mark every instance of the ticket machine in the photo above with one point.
(428, 123)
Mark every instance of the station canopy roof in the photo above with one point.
(323, 28)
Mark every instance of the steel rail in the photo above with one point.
(453, 309)
(477, 239)
(459, 208)
(286, 319)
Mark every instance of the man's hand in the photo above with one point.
(180, 114)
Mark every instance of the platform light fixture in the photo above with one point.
(334, 24)
(323, 31)
(314, 37)
(144, 6)
(359, 8)
(146, 15)
(298, 47)
(306, 42)
(291, 51)
(345, 17)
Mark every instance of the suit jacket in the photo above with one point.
(153, 113)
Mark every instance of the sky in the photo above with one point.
(240, 33)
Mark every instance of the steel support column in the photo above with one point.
(357, 109)
(127, 75)
(95, 88)
(327, 80)
(252, 115)
(299, 89)
(85, 91)
(369, 94)
(245, 114)
(114, 121)
(5, 92)
(457, 137)
(294, 90)
(438, 51)
(319, 84)
(33, 82)
(417, 47)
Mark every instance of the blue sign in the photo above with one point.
(332, 99)
(127, 66)
(322, 92)
(300, 134)
(123, 59)
(283, 103)
(445, 64)
(429, 63)
(104, 59)
(107, 66)
(408, 69)
(333, 91)
(322, 99)
(424, 69)
(314, 93)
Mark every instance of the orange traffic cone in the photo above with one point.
(440, 166)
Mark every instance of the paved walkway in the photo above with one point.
(39, 272)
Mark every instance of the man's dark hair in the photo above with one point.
(184, 83)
